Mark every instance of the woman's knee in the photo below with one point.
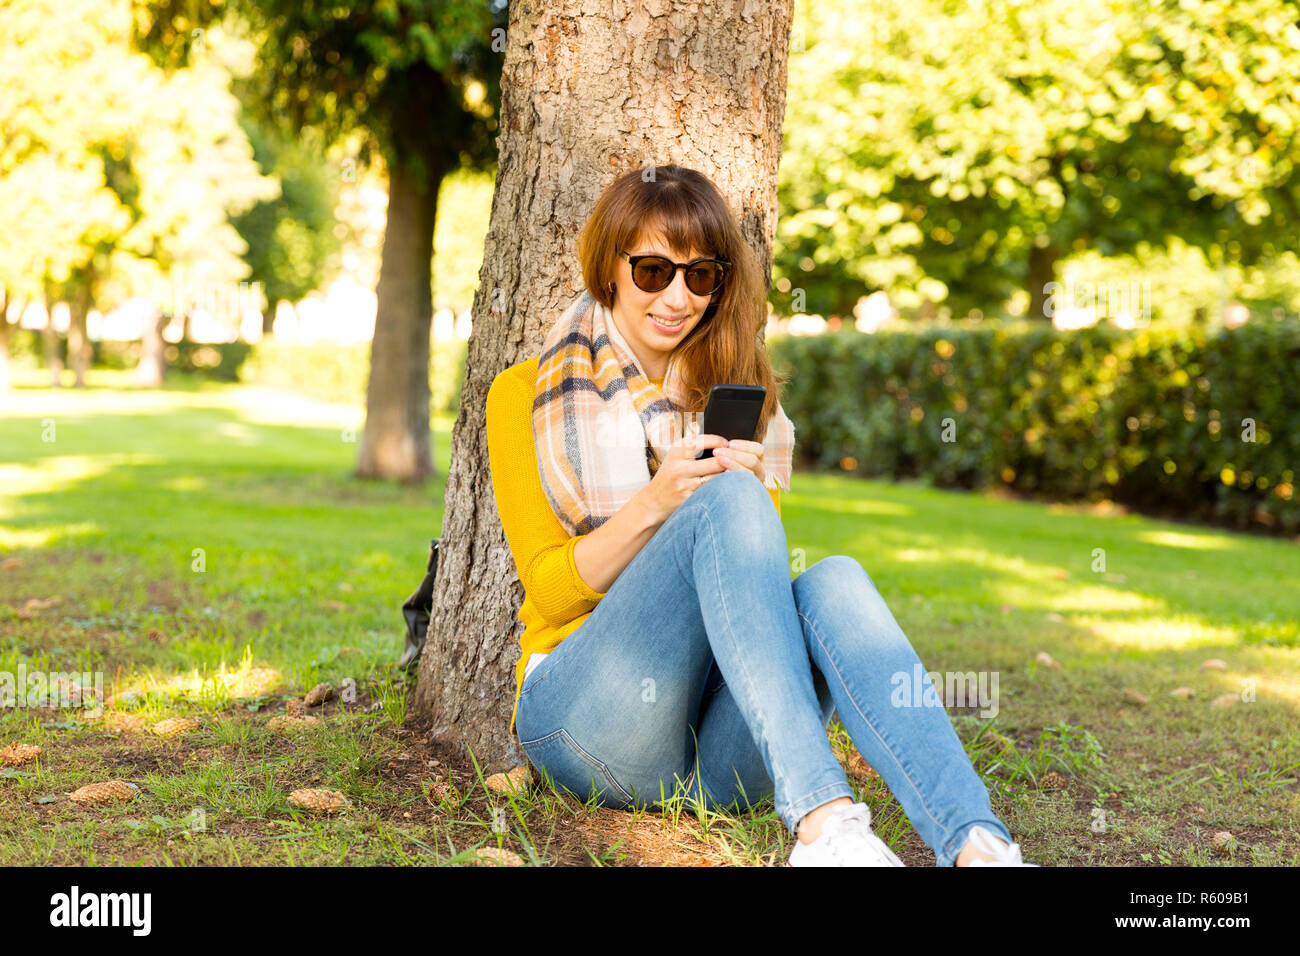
(738, 504)
(837, 576)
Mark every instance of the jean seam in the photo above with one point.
(722, 595)
(870, 723)
(598, 764)
(745, 673)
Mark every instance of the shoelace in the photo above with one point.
(847, 842)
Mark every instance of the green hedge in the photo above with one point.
(1152, 418)
(338, 373)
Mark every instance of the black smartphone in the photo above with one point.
(733, 412)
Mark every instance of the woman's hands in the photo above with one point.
(747, 455)
(679, 475)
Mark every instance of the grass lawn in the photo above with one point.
(205, 547)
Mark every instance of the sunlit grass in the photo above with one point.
(211, 550)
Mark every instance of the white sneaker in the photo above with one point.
(846, 840)
(993, 845)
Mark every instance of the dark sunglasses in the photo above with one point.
(656, 273)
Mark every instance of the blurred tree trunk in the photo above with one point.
(78, 341)
(585, 96)
(50, 339)
(4, 339)
(1040, 272)
(151, 368)
(396, 442)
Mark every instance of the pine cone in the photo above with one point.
(1052, 781)
(492, 856)
(15, 755)
(284, 724)
(110, 792)
(173, 726)
(516, 780)
(318, 695)
(319, 801)
(123, 722)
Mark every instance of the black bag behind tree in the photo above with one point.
(417, 609)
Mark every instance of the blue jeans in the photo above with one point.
(704, 666)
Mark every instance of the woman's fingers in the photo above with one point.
(743, 454)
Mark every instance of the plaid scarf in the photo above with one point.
(601, 428)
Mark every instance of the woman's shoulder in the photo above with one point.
(513, 377)
(513, 387)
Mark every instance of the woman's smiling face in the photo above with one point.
(654, 323)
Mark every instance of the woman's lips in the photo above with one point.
(667, 329)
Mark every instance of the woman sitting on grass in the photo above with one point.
(665, 644)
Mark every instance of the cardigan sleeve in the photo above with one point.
(541, 547)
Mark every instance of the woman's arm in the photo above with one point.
(601, 555)
(541, 548)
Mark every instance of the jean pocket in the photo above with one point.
(568, 765)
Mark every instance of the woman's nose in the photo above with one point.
(675, 295)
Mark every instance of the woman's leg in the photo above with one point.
(854, 641)
(617, 703)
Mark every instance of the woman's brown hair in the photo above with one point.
(690, 212)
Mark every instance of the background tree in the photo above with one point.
(117, 178)
(703, 87)
(293, 248)
(418, 79)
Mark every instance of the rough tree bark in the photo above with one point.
(585, 96)
(396, 442)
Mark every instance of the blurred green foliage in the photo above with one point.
(1198, 422)
(954, 152)
(338, 373)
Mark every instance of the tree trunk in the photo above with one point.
(53, 360)
(152, 366)
(4, 339)
(396, 442)
(78, 341)
(1041, 270)
(585, 96)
